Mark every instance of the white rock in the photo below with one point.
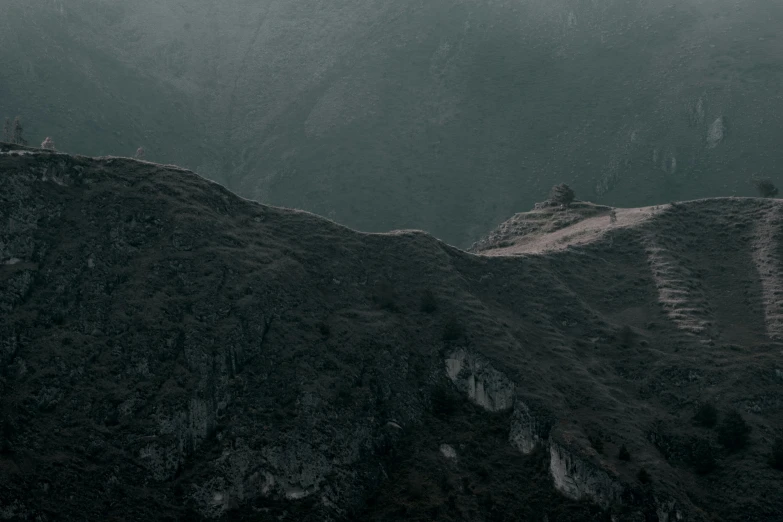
(448, 451)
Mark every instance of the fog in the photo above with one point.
(443, 115)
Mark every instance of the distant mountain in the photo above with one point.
(441, 115)
(169, 351)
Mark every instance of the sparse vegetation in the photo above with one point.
(776, 458)
(765, 187)
(706, 415)
(561, 194)
(429, 303)
(733, 432)
(624, 454)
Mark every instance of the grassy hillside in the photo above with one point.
(170, 350)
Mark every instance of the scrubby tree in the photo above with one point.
(765, 187)
(624, 454)
(561, 195)
(733, 432)
(702, 456)
(47, 144)
(706, 415)
(17, 137)
(139, 153)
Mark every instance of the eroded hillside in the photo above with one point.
(171, 350)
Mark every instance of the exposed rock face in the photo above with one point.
(484, 385)
(170, 350)
(529, 429)
(577, 478)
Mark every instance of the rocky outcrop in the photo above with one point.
(473, 375)
(578, 478)
(529, 429)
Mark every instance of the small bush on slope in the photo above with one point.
(733, 431)
(706, 415)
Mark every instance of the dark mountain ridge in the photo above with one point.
(169, 350)
(440, 115)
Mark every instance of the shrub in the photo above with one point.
(702, 457)
(561, 194)
(597, 444)
(444, 401)
(733, 431)
(324, 328)
(706, 415)
(624, 454)
(765, 187)
(643, 476)
(452, 330)
(139, 153)
(48, 144)
(776, 458)
(428, 302)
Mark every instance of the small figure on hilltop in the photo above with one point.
(561, 195)
(17, 137)
(48, 144)
(139, 153)
(765, 187)
(612, 216)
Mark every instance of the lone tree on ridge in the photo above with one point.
(561, 194)
(765, 187)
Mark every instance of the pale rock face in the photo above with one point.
(448, 451)
(578, 479)
(526, 432)
(484, 385)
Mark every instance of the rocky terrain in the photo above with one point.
(170, 351)
(444, 115)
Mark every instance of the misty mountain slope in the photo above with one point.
(444, 116)
(171, 350)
